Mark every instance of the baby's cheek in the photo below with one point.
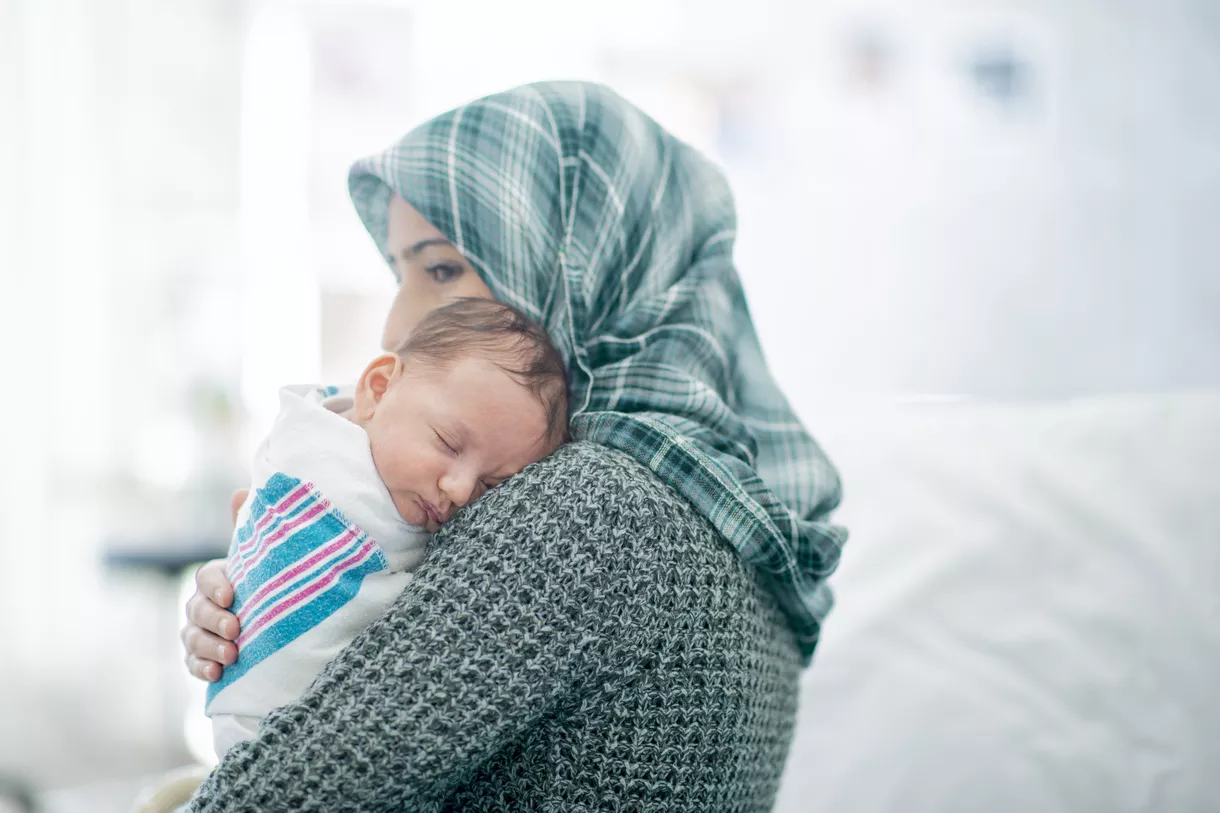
(395, 469)
(410, 510)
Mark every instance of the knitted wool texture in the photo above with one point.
(579, 639)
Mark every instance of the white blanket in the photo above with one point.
(319, 553)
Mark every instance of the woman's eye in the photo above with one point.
(444, 272)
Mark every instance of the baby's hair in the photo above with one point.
(504, 336)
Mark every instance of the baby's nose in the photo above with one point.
(460, 494)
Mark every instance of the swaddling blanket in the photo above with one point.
(319, 552)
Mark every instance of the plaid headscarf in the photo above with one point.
(617, 238)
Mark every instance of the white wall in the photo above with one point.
(112, 181)
(916, 242)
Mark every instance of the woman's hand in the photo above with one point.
(210, 631)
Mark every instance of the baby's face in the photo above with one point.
(440, 438)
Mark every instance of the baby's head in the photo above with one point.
(474, 394)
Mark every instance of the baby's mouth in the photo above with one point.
(432, 512)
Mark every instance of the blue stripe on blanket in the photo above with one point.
(305, 599)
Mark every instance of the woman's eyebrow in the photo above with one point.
(408, 253)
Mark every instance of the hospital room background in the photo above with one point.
(981, 242)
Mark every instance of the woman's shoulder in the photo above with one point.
(584, 473)
(589, 493)
(589, 463)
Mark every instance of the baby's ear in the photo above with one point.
(374, 383)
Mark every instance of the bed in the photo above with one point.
(1028, 611)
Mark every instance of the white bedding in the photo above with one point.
(1028, 612)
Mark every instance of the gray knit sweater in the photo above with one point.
(579, 639)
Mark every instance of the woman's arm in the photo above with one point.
(513, 606)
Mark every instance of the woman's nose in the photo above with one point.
(408, 308)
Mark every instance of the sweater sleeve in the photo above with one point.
(500, 624)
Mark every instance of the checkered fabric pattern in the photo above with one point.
(580, 210)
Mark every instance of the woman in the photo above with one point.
(622, 625)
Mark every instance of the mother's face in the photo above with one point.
(432, 270)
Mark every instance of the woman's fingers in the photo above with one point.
(207, 653)
(210, 631)
(212, 584)
(204, 670)
(205, 646)
(203, 613)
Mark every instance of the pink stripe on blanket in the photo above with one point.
(246, 565)
(362, 553)
(250, 606)
(285, 504)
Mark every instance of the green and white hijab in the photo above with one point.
(616, 237)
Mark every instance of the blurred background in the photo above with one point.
(938, 199)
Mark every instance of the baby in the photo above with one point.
(348, 489)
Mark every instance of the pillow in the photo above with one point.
(1028, 611)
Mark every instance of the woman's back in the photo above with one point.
(580, 639)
